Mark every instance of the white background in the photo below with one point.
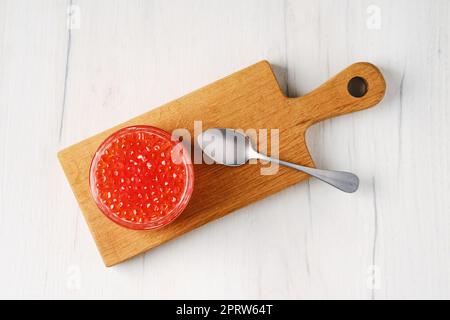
(122, 58)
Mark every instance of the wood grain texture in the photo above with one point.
(248, 99)
(309, 241)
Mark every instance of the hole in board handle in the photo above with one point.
(357, 87)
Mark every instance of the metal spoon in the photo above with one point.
(232, 148)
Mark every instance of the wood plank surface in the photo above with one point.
(121, 58)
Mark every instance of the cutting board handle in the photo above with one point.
(334, 97)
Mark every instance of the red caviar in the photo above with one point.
(140, 178)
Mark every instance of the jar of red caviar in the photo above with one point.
(140, 178)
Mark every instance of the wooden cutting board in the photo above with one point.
(248, 99)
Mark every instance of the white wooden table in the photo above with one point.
(61, 83)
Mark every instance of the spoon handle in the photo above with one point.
(345, 181)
